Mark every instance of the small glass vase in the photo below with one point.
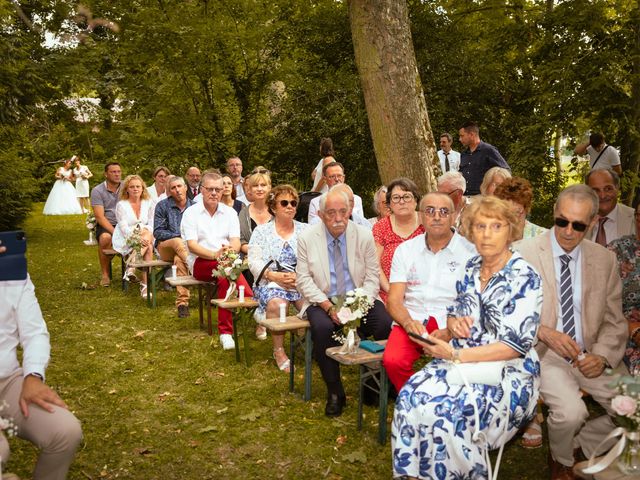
(629, 459)
(351, 343)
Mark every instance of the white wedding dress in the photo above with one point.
(62, 199)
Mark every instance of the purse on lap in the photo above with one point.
(487, 373)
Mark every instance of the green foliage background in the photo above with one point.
(184, 83)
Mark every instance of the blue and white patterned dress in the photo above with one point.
(433, 421)
(265, 245)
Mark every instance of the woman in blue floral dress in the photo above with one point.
(495, 318)
(275, 243)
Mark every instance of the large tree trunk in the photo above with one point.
(633, 165)
(396, 108)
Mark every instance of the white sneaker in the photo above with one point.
(227, 341)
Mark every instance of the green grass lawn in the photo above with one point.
(158, 399)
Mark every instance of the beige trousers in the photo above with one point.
(56, 434)
(174, 250)
(560, 389)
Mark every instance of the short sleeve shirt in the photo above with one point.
(609, 158)
(430, 278)
(107, 199)
(210, 231)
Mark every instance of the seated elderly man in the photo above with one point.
(423, 280)
(583, 330)
(334, 257)
(210, 228)
(166, 231)
(39, 414)
(453, 184)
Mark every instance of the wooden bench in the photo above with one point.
(110, 252)
(243, 313)
(209, 290)
(291, 325)
(370, 367)
(152, 276)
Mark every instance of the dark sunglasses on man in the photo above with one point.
(577, 226)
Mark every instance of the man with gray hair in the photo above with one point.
(582, 330)
(166, 231)
(453, 184)
(334, 257)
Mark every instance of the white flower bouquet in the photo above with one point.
(90, 222)
(351, 309)
(6, 424)
(230, 266)
(626, 404)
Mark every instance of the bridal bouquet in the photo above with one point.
(351, 310)
(134, 241)
(627, 403)
(230, 266)
(90, 221)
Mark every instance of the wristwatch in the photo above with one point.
(455, 355)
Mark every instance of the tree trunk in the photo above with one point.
(633, 165)
(396, 108)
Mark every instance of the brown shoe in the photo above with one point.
(183, 311)
(560, 471)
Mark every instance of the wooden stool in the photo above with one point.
(370, 367)
(291, 325)
(152, 277)
(244, 310)
(209, 289)
(110, 252)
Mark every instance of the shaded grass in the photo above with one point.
(158, 398)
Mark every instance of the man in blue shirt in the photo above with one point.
(477, 158)
(166, 231)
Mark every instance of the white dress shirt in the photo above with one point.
(610, 226)
(21, 323)
(210, 231)
(314, 206)
(430, 277)
(575, 267)
(454, 161)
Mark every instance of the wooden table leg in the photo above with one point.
(308, 356)
(384, 401)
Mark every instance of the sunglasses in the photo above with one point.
(286, 203)
(577, 226)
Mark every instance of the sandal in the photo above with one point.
(143, 290)
(532, 436)
(285, 365)
(261, 332)
(130, 275)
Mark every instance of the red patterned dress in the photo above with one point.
(385, 236)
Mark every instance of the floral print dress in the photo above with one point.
(627, 250)
(433, 421)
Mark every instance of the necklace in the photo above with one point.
(502, 262)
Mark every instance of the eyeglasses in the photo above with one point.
(492, 227)
(577, 226)
(406, 198)
(286, 203)
(261, 170)
(431, 211)
(212, 189)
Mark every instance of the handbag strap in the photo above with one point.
(479, 436)
(599, 155)
(264, 269)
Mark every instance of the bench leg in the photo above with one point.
(361, 387)
(292, 358)
(200, 307)
(308, 357)
(245, 318)
(123, 269)
(384, 400)
(235, 319)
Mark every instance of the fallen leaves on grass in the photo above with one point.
(143, 450)
(357, 456)
(208, 429)
(140, 334)
(341, 440)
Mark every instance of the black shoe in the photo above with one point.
(183, 311)
(335, 404)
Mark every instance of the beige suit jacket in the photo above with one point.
(313, 279)
(604, 328)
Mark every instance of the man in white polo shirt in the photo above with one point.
(423, 279)
(210, 228)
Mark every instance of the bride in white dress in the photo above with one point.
(62, 199)
(82, 174)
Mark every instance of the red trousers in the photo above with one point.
(203, 271)
(401, 353)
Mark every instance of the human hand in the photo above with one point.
(459, 327)
(560, 342)
(440, 349)
(35, 391)
(590, 365)
(416, 327)
(442, 333)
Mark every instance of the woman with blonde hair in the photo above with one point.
(494, 177)
(134, 230)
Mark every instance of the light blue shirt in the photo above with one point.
(348, 282)
(575, 267)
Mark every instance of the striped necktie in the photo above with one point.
(566, 297)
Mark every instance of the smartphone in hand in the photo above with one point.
(421, 339)
(13, 262)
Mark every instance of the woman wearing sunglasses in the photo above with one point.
(274, 245)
